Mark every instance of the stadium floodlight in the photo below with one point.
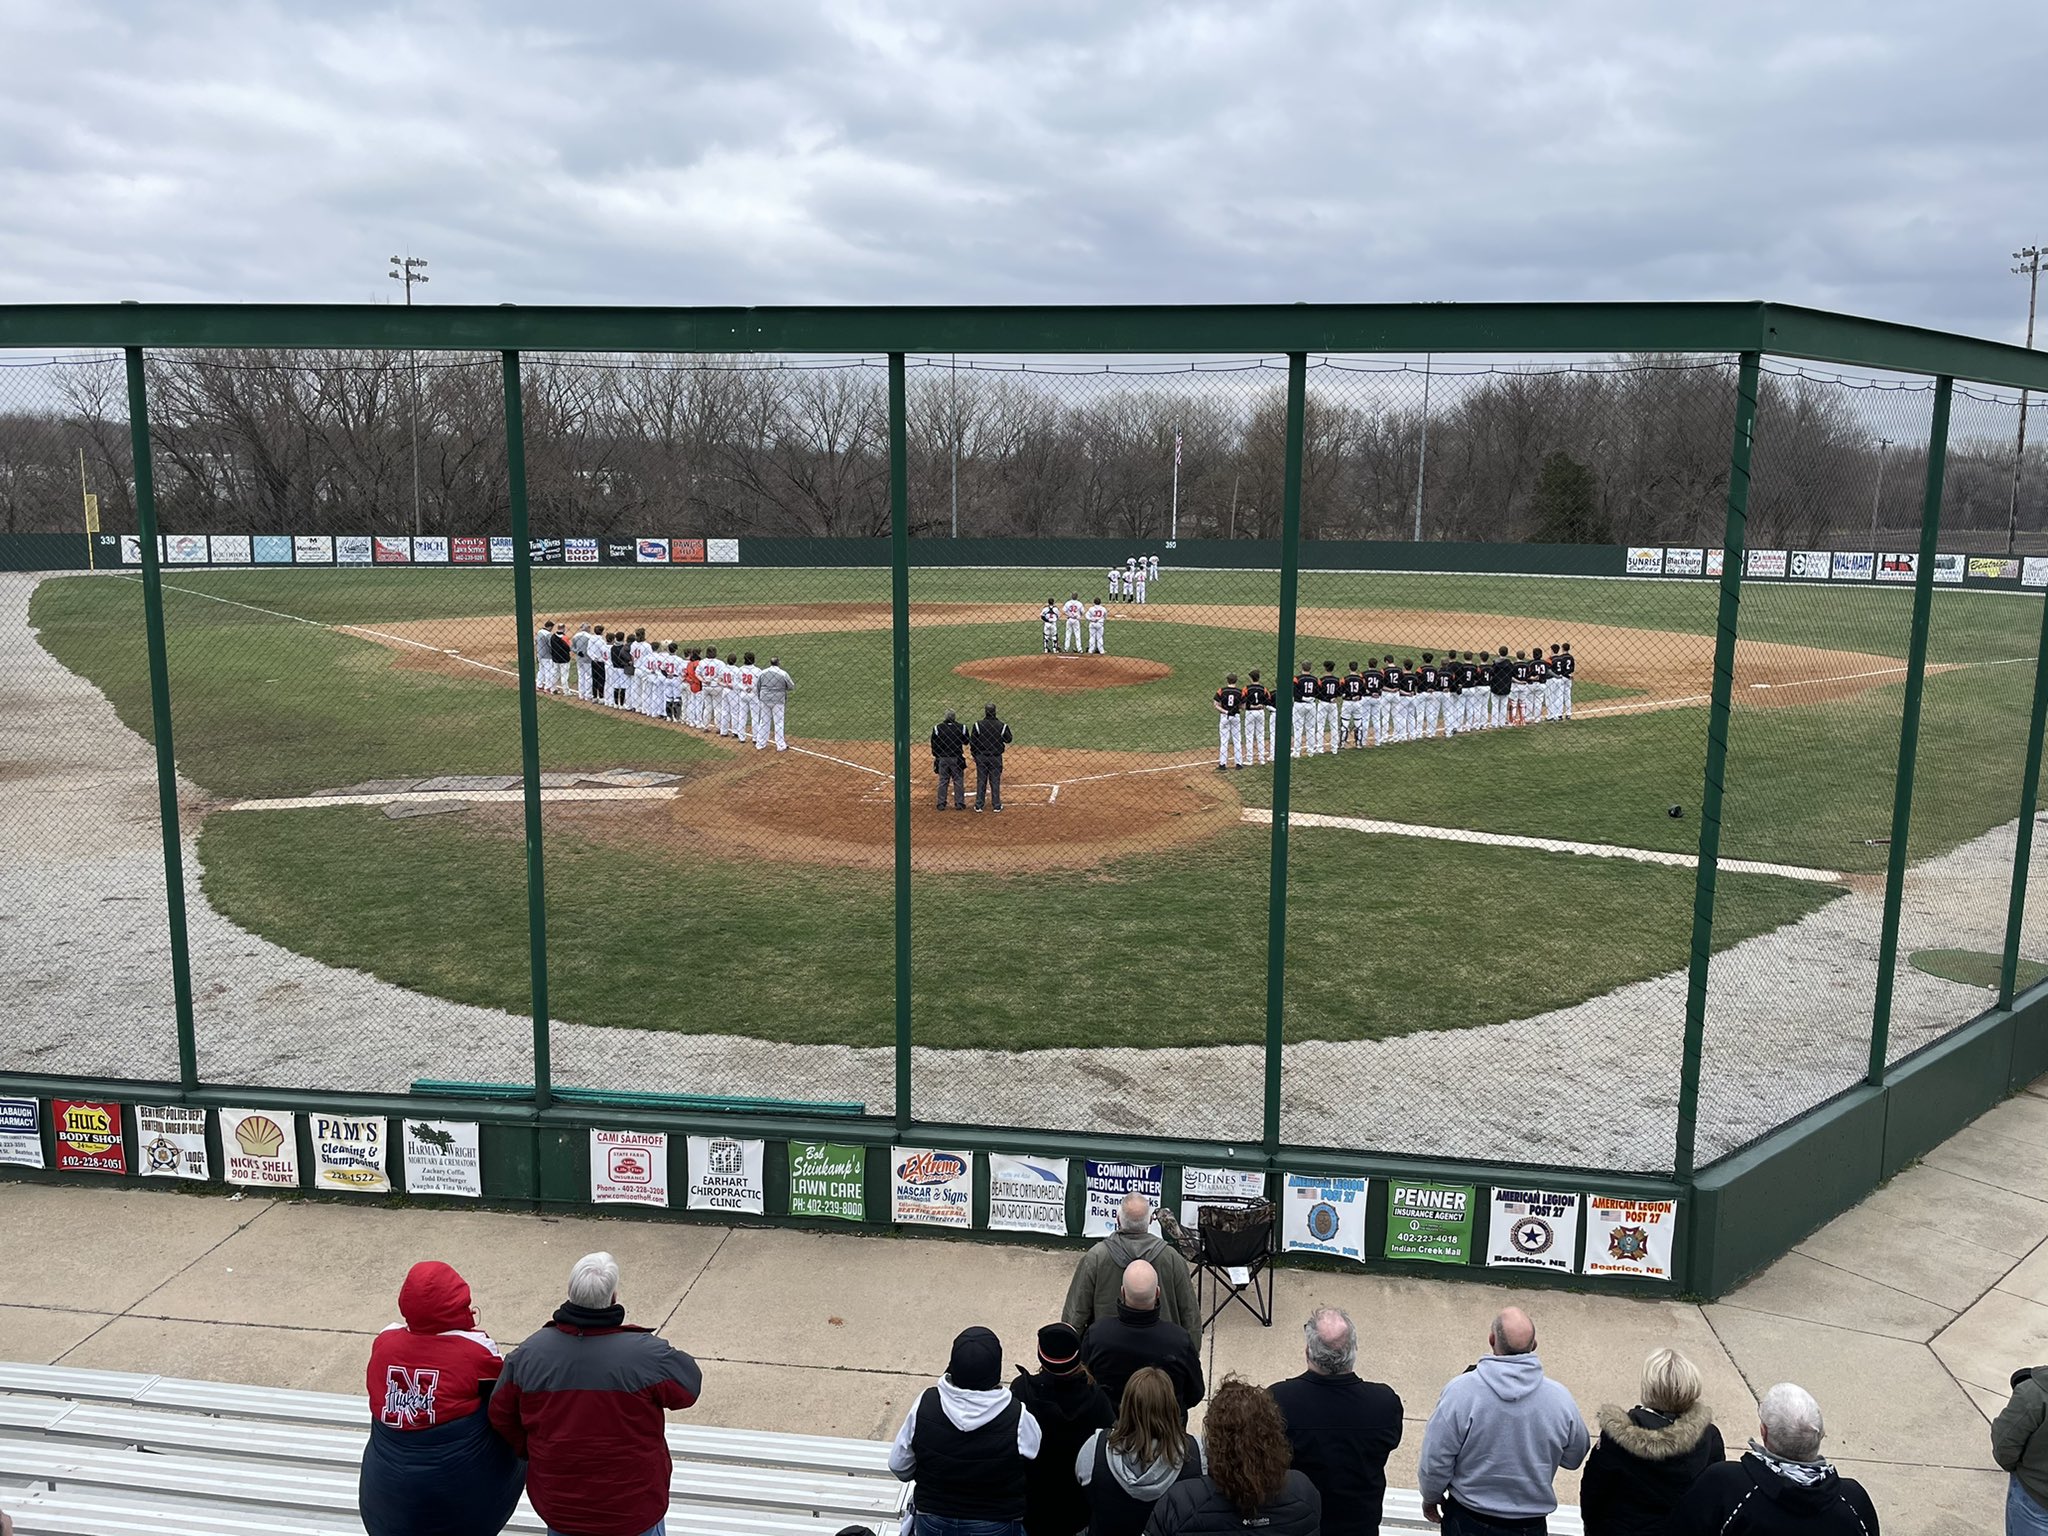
(409, 270)
(1877, 493)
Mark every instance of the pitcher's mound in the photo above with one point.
(1064, 674)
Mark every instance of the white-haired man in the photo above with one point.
(1783, 1484)
(582, 1400)
(1093, 1291)
(1342, 1429)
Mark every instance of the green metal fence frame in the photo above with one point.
(534, 1120)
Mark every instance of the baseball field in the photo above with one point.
(1119, 906)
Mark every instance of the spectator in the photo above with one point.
(1248, 1481)
(1648, 1456)
(1069, 1408)
(966, 1444)
(949, 759)
(1127, 1470)
(1092, 1293)
(1115, 1348)
(1499, 1435)
(1342, 1429)
(582, 1400)
(986, 740)
(1783, 1484)
(2019, 1446)
(433, 1465)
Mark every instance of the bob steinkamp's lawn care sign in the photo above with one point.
(828, 1179)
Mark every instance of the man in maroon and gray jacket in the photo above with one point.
(582, 1401)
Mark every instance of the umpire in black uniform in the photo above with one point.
(986, 741)
(949, 759)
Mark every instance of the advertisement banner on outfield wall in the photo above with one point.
(1533, 1229)
(828, 1180)
(1810, 564)
(1685, 562)
(228, 549)
(272, 548)
(430, 549)
(183, 549)
(170, 1142)
(470, 551)
(260, 1146)
(544, 551)
(2034, 571)
(21, 1135)
(312, 549)
(349, 1153)
(931, 1186)
(722, 551)
(727, 1174)
(501, 550)
(618, 552)
(1027, 1194)
(131, 549)
(1323, 1215)
(1645, 562)
(1766, 562)
(1717, 562)
(1430, 1222)
(1898, 567)
(88, 1136)
(1948, 570)
(1108, 1183)
(652, 552)
(386, 550)
(352, 549)
(1216, 1186)
(579, 551)
(629, 1168)
(1629, 1237)
(1992, 568)
(443, 1157)
(686, 551)
(1852, 567)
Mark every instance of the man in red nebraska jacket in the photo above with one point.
(582, 1401)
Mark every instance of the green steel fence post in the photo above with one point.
(160, 721)
(529, 732)
(1735, 544)
(1909, 731)
(1283, 736)
(2023, 846)
(899, 669)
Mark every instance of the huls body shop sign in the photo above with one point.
(89, 1136)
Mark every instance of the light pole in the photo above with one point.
(2029, 259)
(1882, 444)
(1422, 460)
(956, 445)
(409, 270)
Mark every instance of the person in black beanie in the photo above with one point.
(1069, 1408)
(967, 1445)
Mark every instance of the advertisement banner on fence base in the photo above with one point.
(1810, 564)
(1717, 562)
(1027, 1194)
(501, 550)
(88, 1136)
(1948, 570)
(1108, 1183)
(1323, 1215)
(183, 549)
(1851, 567)
(349, 1152)
(931, 1186)
(1430, 1222)
(469, 550)
(228, 549)
(271, 549)
(652, 552)
(21, 1134)
(353, 549)
(1646, 562)
(385, 550)
(1533, 1229)
(1766, 562)
(260, 1147)
(430, 549)
(2034, 571)
(722, 551)
(629, 1168)
(579, 551)
(1684, 562)
(312, 549)
(1992, 568)
(686, 551)
(1903, 566)
(1216, 1186)
(1629, 1237)
(170, 1142)
(443, 1157)
(828, 1180)
(727, 1174)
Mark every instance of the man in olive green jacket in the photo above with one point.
(1100, 1275)
(2019, 1445)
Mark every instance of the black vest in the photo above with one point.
(967, 1474)
(1113, 1512)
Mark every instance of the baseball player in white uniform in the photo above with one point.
(1230, 724)
(1152, 561)
(544, 659)
(1116, 576)
(746, 710)
(1258, 712)
(1097, 617)
(1138, 576)
(1072, 609)
(734, 717)
(712, 670)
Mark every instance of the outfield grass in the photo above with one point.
(1975, 968)
(1162, 950)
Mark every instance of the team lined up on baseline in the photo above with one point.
(695, 687)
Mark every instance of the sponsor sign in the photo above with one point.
(726, 1175)
(312, 549)
(1767, 562)
(1852, 567)
(391, 551)
(260, 1146)
(501, 550)
(619, 552)
(931, 1187)
(1027, 1194)
(183, 549)
(88, 1136)
(1630, 1237)
(629, 1168)
(1717, 562)
(1212, 1186)
(1810, 564)
(228, 549)
(1432, 1222)
(170, 1142)
(544, 551)
(352, 549)
(1533, 1229)
(1108, 1183)
(21, 1134)
(1645, 562)
(1685, 562)
(272, 548)
(349, 1151)
(652, 552)
(579, 551)
(430, 549)
(469, 551)
(1948, 570)
(131, 549)
(828, 1179)
(1327, 1216)
(442, 1157)
(722, 551)
(1989, 568)
(1901, 567)
(686, 551)
(2034, 571)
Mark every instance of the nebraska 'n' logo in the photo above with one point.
(409, 1396)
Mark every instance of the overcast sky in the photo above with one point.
(1883, 157)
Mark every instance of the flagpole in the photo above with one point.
(1173, 524)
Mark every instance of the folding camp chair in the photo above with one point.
(1234, 1254)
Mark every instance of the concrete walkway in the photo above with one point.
(1904, 1316)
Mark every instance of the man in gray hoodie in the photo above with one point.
(1099, 1278)
(1499, 1435)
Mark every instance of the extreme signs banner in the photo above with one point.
(1533, 1229)
(348, 1153)
(1108, 1183)
(88, 1136)
(443, 1157)
(629, 1168)
(726, 1175)
(931, 1187)
(261, 1146)
(1327, 1216)
(170, 1142)
(828, 1179)
(1027, 1194)
(21, 1137)
(1630, 1237)
(1431, 1222)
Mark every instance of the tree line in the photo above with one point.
(340, 442)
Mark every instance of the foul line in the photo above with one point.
(447, 798)
(1548, 845)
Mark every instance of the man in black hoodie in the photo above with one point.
(1116, 1348)
(1069, 1409)
(1784, 1485)
(949, 759)
(986, 741)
